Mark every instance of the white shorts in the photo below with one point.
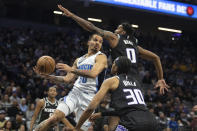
(76, 101)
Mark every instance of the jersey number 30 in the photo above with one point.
(135, 95)
(131, 54)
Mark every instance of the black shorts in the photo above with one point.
(138, 121)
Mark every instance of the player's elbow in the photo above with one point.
(156, 58)
(151, 57)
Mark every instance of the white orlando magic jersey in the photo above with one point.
(84, 83)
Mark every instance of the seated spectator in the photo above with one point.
(29, 114)
(23, 105)
(159, 107)
(13, 110)
(15, 97)
(19, 120)
(172, 124)
(6, 103)
(167, 108)
(184, 120)
(162, 121)
(2, 118)
(151, 108)
(4, 82)
(8, 126)
(22, 128)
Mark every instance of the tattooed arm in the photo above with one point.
(112, 38)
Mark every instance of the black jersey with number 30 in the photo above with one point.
(128, 94)
(126, 47)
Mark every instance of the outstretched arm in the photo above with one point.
(109, 36)
(62, 79)
(108, 84)
(148, 55)
(100, 64)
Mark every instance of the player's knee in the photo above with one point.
(53, 119)
(57, 116)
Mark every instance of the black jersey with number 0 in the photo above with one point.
(47, 110)
(126, 47)
(128, 95)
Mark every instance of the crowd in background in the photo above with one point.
(20, 87)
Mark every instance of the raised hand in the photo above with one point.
(163, 86)
(63, 67)
(65, 11)
(42, 75)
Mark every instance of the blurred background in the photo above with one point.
(32, 28)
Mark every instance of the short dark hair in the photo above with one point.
(124, 64)
(127, 28)
(90, 37)
(51, 87)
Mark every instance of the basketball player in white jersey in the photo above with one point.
(87, 67)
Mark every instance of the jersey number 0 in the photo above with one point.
(131, 54)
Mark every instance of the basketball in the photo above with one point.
(46, 65)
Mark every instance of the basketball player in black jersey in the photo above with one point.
(45, 107)
(127, 100)
(123, 43)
